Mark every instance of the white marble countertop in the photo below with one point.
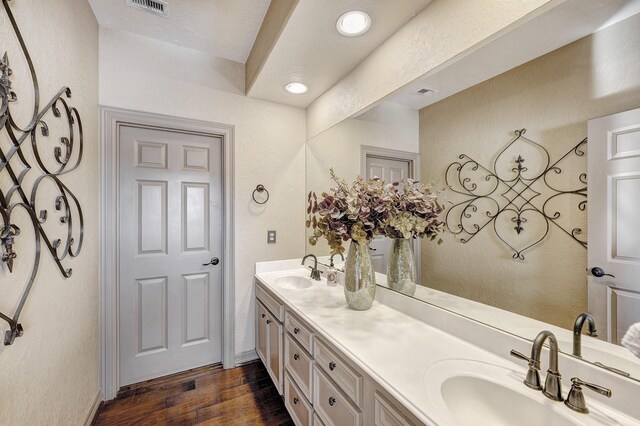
(593, 349)
(397, 350)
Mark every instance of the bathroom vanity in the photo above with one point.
(318, 378)
(400, 363)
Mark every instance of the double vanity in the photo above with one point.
(404, 362)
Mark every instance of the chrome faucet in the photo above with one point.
(552, 386)
(315, 273)
(577, 331)
(331, 258)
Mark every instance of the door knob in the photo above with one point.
(214, 261)
(599, 272)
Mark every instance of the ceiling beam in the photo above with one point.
(274, 22)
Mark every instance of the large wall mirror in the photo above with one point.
(554, 97)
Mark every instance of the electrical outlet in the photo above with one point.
(271, 237)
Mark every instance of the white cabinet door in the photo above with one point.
(614, 225)
(275, 351)
(170, 211)
(262, 333)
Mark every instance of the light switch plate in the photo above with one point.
(271, 237)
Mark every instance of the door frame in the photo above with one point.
(414, 170)
(111, 119)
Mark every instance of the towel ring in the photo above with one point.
(260, 188)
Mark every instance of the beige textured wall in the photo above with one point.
(411, 52)
(553, 97)
(388, 125)
(142, 74)
(50, 375)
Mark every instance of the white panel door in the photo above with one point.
(614, 225)
(390, 170)
(170, 228)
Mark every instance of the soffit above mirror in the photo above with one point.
(505, 38)
(534, 38)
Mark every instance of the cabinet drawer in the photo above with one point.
(299, 365)
(316, 420)
(332, 406)
(385, 414)
(275, 307)
(297, 405)
(349, 381)
(301, 332)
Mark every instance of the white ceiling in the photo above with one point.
(310, 49)
(223, 28)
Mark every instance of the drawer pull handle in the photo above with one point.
(295, 401)
(296, 330)
(332, 401)
(332, 366)
(296, 357)
(268, 321)
(263, 315)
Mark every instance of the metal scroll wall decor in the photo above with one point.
(54, 158)
(510, 197)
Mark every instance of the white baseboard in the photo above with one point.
(94, 409)
(246, 356)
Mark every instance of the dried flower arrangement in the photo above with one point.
(369, 208)
(357, 212)
(414, 211)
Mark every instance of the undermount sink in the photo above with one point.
(471, 398)
(293, 282)
(477, 393)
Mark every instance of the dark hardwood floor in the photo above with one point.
(204, 396)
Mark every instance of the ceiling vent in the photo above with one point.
(154, 6)
(427, 92)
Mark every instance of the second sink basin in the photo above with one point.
(293, 282)
(471, 398)
(467, 392)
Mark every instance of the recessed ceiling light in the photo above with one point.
(296, 88)
(353, 23)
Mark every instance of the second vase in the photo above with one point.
(401, 271)
(359, 277)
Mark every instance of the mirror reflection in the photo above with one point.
(517, 255)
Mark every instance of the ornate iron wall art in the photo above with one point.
(16, 198)
(500, 196)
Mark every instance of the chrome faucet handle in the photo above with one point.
(520, 355)
(575, 398)
(532, 379)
